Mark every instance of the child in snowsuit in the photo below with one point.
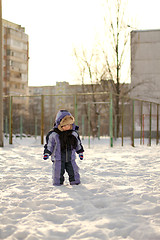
(62, 142)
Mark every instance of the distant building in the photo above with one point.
(15, 64)
(61, 89)
(145, 65)
(55, 98)
(75, 98)
(49, 101)
(15, 59)
(145, 77)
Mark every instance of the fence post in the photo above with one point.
(157, 140)
(141, 122)
(82, 126)
(133, 123)
(10, 120)
(42, 118)
(35, 127)
(99, 124)
(21, 127)
(111, 121)
(122, 119)
(143, 116)
(51, 123)
(89, 125)
(6, 126)
(75, 110)
(150, 124)
(115, 127)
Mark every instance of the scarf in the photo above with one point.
(67, 140)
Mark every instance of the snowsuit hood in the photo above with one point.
(64, 117)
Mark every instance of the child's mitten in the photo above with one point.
(45, 156)
(81, 156)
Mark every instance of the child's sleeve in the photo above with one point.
(50, 143)
(79, 148)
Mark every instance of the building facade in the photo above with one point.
(88, 103)
(145, 78)
(15, 73)
(145, 64)
(15, 59)
(35, 94)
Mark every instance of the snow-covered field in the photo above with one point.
(119, 197)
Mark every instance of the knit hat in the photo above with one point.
(67, 120)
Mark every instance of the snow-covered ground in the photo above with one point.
(119, 197)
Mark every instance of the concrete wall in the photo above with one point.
(145, 74)
(145, 64)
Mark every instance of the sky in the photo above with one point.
(55, 28)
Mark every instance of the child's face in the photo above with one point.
(66, 127)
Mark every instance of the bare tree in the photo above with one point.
(119, 42)
(91, 72)
(113, 54)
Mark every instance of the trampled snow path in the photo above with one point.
(119, 197)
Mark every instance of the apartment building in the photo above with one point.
(59, 96)
(49, 100)
(145, 62)
(15, 62)
(72, 97)
(145, 75)
(15, 59)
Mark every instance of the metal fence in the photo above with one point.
(95, 113)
